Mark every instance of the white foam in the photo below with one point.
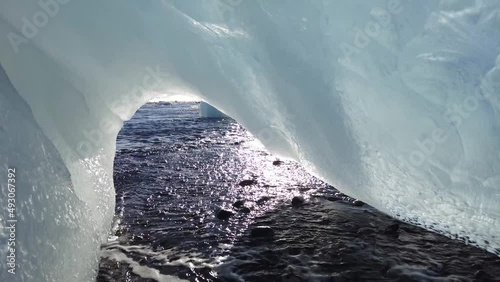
(140, 270)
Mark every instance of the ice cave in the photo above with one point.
(394, 102)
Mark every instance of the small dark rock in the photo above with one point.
(366, 231)
(277, 162)
(325, 221)
(224, 214)
(480, 275)
(358, 203)
(294, 251)
(238, 204)
(248, 182)
(333, 199)
(392, 229)
(262, 232)
(289, 278)
(475, 265)
(297, 201)
(245, 210)
(386, 268)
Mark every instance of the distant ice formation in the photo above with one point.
(209, 111)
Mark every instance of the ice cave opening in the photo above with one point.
(171, 162)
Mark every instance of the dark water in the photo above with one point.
(173, 173)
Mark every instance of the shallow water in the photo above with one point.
(174, 171)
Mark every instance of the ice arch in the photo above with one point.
(394, 102)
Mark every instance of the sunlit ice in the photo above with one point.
(392, 103)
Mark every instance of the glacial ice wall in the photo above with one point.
(394, 102)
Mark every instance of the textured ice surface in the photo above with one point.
(393, 102)
(209, 111)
